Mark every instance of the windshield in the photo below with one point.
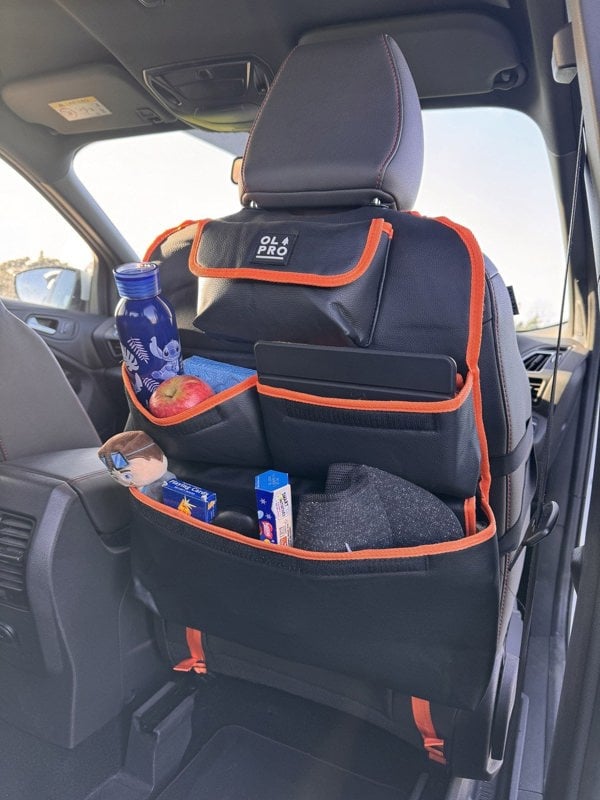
(485, 168)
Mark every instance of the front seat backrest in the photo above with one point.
(40, 411)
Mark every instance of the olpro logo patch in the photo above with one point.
(274, 248)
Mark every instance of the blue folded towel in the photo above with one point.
(218, 375)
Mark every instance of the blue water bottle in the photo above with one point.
(147, 329)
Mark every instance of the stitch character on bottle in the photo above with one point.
(170, 354)
(147, 329)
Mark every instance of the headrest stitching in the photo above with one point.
(399, 109)
(259, 115)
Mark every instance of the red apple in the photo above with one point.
(178, 394)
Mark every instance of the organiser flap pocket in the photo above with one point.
(292, 280)
(422, 620)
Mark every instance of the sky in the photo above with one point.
(485, 168)
(490, 172)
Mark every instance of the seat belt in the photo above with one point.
(545, 512)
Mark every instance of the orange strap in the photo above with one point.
(474, 341)
(431, 741)
(197, 660)
(470, 516)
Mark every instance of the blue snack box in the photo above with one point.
(274, 506)
(190, 499)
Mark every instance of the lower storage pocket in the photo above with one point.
(432, 444)
(422, 620)
(224, 429)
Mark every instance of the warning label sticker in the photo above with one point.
(80, 108)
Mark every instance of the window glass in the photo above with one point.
(485, 168)
(149, 183)
(43, 260)
(488, 169)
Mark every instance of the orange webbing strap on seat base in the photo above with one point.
(197, 659)
(431, 741)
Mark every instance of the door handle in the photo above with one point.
(46, 325)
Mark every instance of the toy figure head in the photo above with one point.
(133, 459)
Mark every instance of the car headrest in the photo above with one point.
(340, 126)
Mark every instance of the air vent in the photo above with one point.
(537, 385)
(542, 359)
(15, 535)
(115, 348)
(535, 362)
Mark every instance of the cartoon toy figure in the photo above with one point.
(170, 354)
(134, 459)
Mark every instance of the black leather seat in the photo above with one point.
(41, 413)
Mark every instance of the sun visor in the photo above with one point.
(448, 54)
(96, 97)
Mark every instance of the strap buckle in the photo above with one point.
(538, 529)
(435, 749)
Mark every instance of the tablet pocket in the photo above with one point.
(226, 428)
(422, 620)
(433, 444)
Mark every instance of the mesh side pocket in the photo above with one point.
(246, 295)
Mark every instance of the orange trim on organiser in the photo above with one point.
(474, 341)
(165, 235)
(470, 516)
(418, 551)
(431, 741)
(433, 407)
(377, 228)
(197, 659)
(190, 413)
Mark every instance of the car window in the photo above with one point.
(43, 260)
(162, 180)
(488, 169)
(485, 168)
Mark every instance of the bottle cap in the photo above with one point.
(137, 280)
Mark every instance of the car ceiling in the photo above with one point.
(60, 34)
(40, 38)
